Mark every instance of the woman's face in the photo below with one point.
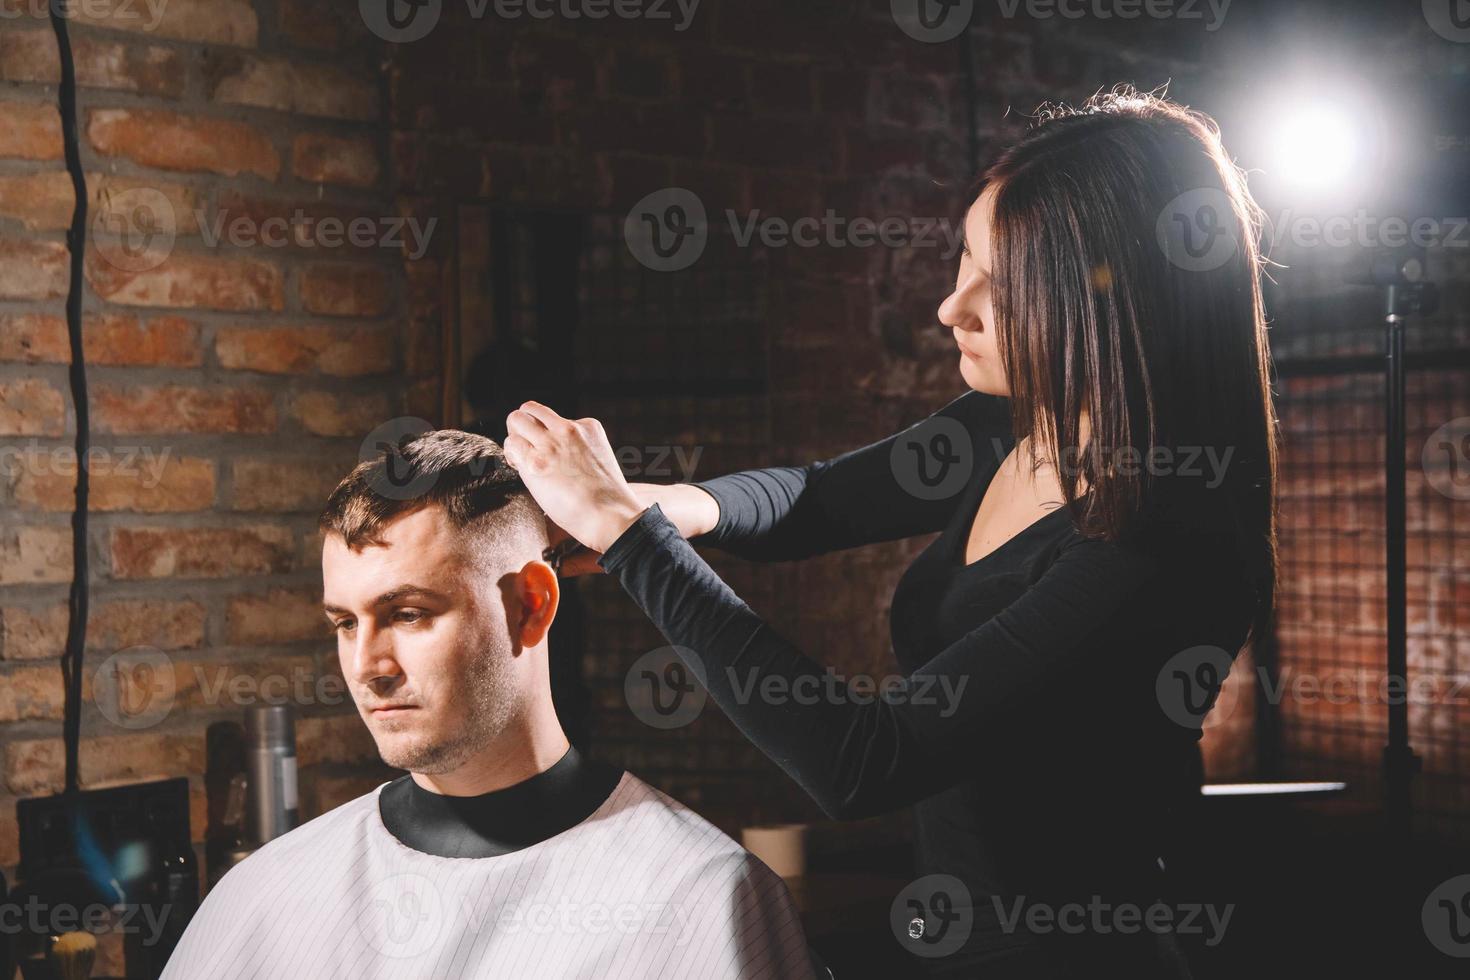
(967, 311)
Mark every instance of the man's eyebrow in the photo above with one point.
(393, 595)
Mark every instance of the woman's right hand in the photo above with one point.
(693, 511)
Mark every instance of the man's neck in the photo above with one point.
(522, 751)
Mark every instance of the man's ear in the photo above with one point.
(539, 594)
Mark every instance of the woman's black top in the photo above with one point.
(1035, 731)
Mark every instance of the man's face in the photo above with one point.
(420, 625)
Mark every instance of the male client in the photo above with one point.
(502, 852)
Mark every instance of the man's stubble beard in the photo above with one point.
(489, 689)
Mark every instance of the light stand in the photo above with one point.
(1399, 273)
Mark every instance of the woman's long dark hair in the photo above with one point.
(1126, 282)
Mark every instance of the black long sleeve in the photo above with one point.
(884, 491)
(858, 756)
(1036, 727)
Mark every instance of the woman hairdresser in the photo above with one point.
(1117, 516)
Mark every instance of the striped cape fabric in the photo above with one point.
(644, 887)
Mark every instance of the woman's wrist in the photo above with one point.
(692, 510)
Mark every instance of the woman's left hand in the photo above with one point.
(572, 472)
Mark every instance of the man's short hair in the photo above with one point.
(463, 473)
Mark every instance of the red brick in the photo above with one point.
(325, 159)
(38, 766)
(286, 485)
(9, 834)
(41, 338)
(340, 738)
(44, 201)
(35, 692)
(31, 407)
(424, 399)
(278, 616)
(30, 56)
(843, 93)
(288, 86)
(33, 270)
(345, 290)
(36, 634)
(214, 685)
(35, 554)
(189, 281)
(562, 68)
(325, 228)
(797, 144)
(41, 201)
(427, 165)
(339, 351)
(453, 106)
(170, 141)
(325, 413)
(653, 130)
(422, 347)
(114, 198)
(117, 483)
(423, 279)
(133, 409)
(714, 82)
(309, 25)
(205, 21)
(32, 131)
(170, 552)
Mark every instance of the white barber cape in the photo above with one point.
(644, 887)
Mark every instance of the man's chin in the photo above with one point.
(416, 753)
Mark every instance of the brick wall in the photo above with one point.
(233, 373)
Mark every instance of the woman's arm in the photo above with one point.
(860, 756)
(906, 484)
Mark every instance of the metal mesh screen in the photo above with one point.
(1330, 693)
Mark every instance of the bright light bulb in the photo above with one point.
(1317, 147)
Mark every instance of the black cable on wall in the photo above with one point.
(76, 240)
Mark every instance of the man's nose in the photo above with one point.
(373, 655)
